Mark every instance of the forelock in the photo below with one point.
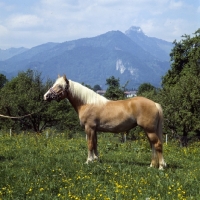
(60, 81)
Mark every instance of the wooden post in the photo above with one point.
(124, 137)
(47, 134)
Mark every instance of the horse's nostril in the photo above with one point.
(48, 95)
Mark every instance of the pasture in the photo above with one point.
(40, 167)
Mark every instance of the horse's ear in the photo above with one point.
(58, 75)
(65, 78)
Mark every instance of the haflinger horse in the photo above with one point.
(96, 113)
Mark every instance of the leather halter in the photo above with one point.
(57, 95)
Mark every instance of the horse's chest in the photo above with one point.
(88, 118)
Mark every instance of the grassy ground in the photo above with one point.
(36, 167)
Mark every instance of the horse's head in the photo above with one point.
(58, 91)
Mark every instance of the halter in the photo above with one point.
(52, 91)
(56, 95)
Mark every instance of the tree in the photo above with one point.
(3, 80)
(21, 96)
(24, 95)
(96, 87)
(145, 87)
(114, 91)
(185, 54)
(181, 86)
(86, 85)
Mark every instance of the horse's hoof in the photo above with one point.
(88, 161)
(162, 167)
(96, 158)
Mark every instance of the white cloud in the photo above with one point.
(6, 7)
(61, 20)
(175, 27)
(24, 21)
(3, 31)
(175, 4)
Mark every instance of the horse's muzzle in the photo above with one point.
(51, 96)
(47, 97)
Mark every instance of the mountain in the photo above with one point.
(157, 47)
(8, 53)
(131, 56)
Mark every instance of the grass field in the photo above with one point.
(36, 167)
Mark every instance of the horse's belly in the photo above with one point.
(116, 126)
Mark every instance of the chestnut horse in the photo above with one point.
(96, 113)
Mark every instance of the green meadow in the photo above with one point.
(39, 167)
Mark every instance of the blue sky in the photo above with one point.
(29, 23)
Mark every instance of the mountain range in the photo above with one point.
(131, 56)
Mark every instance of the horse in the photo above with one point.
(97, 113)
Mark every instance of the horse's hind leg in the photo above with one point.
(157, 150)
(154, 158)
(95, 146)
(92, 144)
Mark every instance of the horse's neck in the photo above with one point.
(72, 97)
(80, 96)
(75, 102)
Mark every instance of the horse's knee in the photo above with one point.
(90, 146)
(91, 141)
(153, 138)
(158, 146)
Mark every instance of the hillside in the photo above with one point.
(8, 53)
(131, 56)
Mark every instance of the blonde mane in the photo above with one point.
(86, 95)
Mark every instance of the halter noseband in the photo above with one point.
(56, 95)
(53, 92)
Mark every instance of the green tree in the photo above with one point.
(114, 91)
(181, 87)
(86, 85)
(21, 96)
(185, 54)
(3, 80)
(24, 95)
(96, 87)
(145, 87)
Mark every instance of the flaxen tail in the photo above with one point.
(160, 122)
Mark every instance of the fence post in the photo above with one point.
(166, 138)
(47, 134)
(10, 132)
(124, 137)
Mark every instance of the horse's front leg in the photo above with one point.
(92, 144)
